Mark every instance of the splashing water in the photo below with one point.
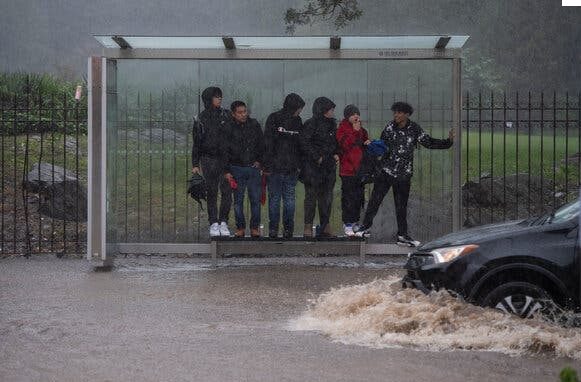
(381, 314)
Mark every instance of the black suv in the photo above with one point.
(520, 267)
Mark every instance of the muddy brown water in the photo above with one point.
(323, 319)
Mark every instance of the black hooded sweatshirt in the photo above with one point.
(210, 129)
(318, 141)
(244, 143)
(281, 137)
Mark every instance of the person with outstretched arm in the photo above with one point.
(401, 136)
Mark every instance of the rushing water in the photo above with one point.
(382, 314)
(160, 319)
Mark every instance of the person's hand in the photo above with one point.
(367, 142)
(451, 135)
(320, 160)
(357, 125)
(256, 164)
(336, 157)
(195, 170)
(228, 176)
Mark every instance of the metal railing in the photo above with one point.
(521, 154)
(520, 158)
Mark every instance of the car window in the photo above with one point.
(567, 212)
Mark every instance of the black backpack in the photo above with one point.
(197, 188)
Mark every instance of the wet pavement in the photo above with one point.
(174, 319)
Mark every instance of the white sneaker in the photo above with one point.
(407, 241)
(224, 231)
(214, 230)
(362, 231)
(348, 228)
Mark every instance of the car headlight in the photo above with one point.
(445, 255)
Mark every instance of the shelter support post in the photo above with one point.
(457, 162)
(96, 241)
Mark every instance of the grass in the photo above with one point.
(154, 185)
(497, 154)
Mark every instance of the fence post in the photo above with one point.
(456, 118)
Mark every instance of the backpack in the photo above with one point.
(197, 188)
(371, 162)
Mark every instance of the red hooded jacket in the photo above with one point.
(351, 148)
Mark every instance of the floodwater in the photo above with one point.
(323, 319)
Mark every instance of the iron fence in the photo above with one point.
(42, 174)
(521, 154)
(520, 158)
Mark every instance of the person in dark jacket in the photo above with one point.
(282, 162)
(352, 138)
(245, 151)
(319, 147)
(210, 128)
(401, 137)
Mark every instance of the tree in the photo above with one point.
(342, 11)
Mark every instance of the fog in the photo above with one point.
(513, 45)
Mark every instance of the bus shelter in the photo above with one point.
(144, 91)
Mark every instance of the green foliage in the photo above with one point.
(342, 11)
(39, 103)
(568, 374)
(481, 72)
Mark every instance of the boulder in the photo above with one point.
(492, 200)
(57, 190)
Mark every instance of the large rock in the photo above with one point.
(57, 190)
(492, 200)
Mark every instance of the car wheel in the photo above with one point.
(520, 298)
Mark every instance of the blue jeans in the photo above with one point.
(247, 177)
(281, 187)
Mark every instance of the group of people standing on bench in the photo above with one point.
(235, 157)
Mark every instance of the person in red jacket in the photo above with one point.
(351, 138)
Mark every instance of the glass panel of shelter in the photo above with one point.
(149, 135)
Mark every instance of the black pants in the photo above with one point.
(352, 198)
(401, 192)
(213, 171)
(320, 194)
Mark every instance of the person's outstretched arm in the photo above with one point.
(433, 143)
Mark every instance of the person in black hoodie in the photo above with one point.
(245, 151)
(320, 151)
(209, 130)
(282, 162)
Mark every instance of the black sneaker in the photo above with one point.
(407, 241)
(273, 235)
(287, 234)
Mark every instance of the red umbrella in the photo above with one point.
(263, 194)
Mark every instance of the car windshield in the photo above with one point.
(567, 212)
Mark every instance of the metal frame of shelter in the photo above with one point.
(442, 47)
